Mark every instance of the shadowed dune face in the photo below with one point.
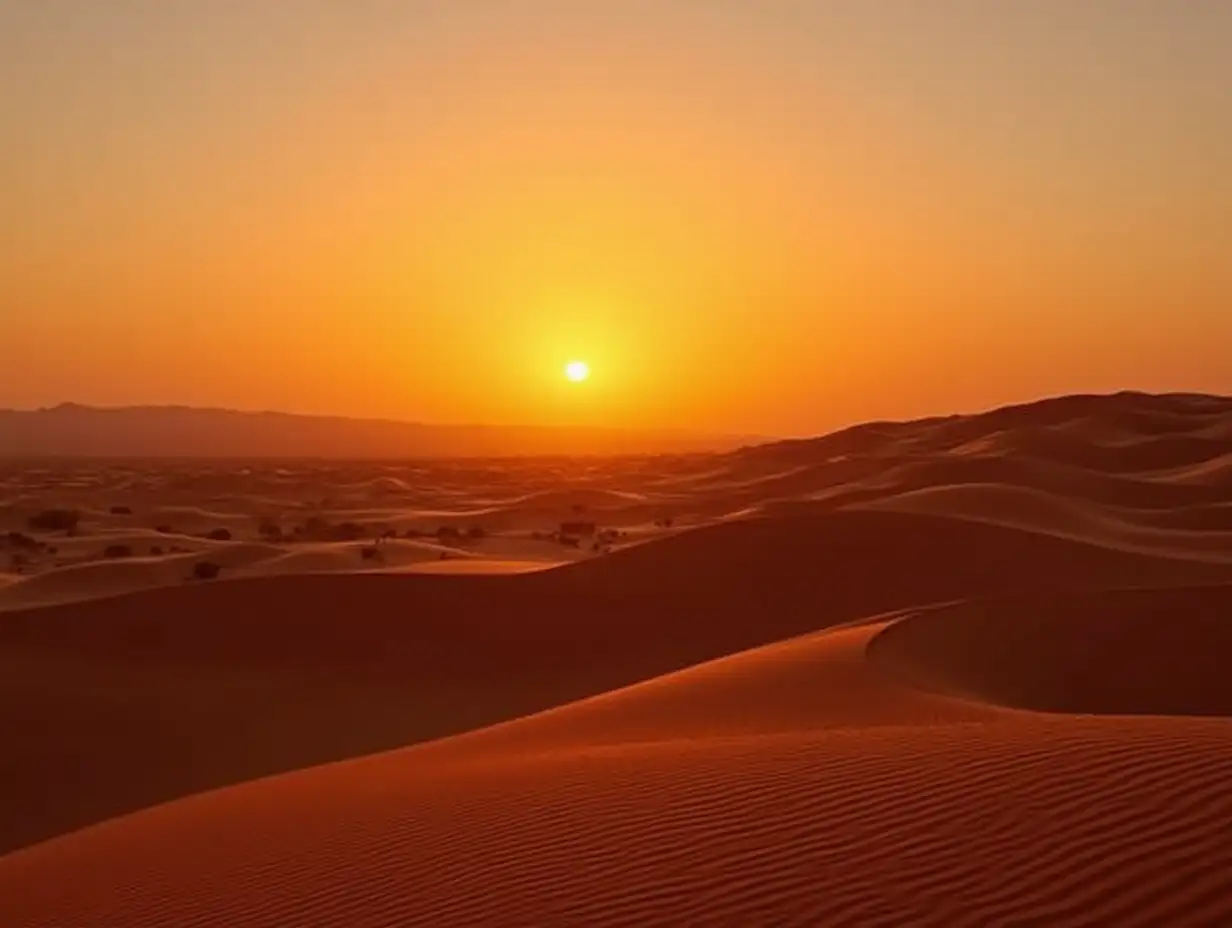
(1129, 652)
(934, 673)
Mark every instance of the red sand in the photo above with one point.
(992, 715)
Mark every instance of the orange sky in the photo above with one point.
(777, 217)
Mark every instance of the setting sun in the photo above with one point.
(577, 371)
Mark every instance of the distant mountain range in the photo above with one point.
(72, 430)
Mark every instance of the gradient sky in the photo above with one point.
(765, 216)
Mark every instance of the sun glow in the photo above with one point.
(577, 371)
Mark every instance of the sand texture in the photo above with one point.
(963, 671)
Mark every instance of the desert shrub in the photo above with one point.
(206, 570)
(114, 551)
(219, 534)
(121, 511)
(347, 531)
(370, 553)
(447, 533)
(577, 529)
(18, 540)
(476, 533)
(54, 520)
(269, 529)
(164, 530)
(155, 550)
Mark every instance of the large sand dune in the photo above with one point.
(850, 683)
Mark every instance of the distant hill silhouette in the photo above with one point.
(176, 431)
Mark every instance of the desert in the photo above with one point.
(553, 464)
(966, 670)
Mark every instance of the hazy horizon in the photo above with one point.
(598, 426)
(773, 219)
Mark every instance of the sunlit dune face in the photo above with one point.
(577, 371)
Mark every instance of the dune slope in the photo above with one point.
(792, 784)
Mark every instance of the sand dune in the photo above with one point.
(417, 657)
(1126, 652)
(807, 684)
(934, 673)
(791, 784)
(1060, 477)
(1164, 459)
(1216, 471)
(92, 579)
(1128, 455)
(1135, 530)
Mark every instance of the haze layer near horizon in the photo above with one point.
(774, 217)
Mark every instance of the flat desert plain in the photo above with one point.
(964, 671)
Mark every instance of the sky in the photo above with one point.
(777, 217)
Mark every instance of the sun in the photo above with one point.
(577, 371)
